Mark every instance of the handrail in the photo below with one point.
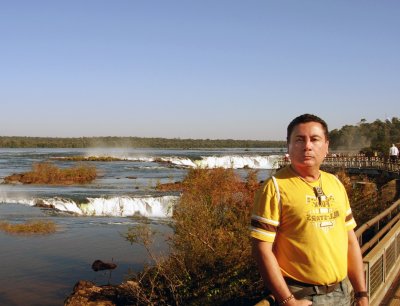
(377, 218)
(382, 265)
(373, 221)
(378, 236)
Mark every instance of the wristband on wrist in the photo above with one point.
(285, 301)
(361, 294)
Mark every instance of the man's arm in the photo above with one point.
(271, 273)
(355, 269)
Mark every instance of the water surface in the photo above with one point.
(91, 219)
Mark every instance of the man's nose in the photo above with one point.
(307, 144)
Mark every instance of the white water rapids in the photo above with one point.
(208, 162)
(124, 206)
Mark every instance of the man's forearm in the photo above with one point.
(269, 269)
(355, 264)
(355, 268)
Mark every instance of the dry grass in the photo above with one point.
(89, 158)
(48, 173)
(210, 258)
(367, 199)
(31, 227)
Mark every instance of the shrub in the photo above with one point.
(89, 158)
(48, 173)
(210, 258)
(366, 198)
(30, 227)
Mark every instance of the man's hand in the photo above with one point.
(295, 302)
(362, 301)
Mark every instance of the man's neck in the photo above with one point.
(309, 174)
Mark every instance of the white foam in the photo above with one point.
(239, 162)
(61, 204)
(125, 206)
(228, 161)
(160, 207)
(179, 161)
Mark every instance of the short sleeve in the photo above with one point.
(349, 221)
(265, 217)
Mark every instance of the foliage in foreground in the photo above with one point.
(48, 173)
(210, 260)
(30, 227)
(368, 198)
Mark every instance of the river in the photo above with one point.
(91, 219)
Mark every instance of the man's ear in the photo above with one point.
(327, 149)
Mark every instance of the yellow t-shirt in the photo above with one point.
(310, 236)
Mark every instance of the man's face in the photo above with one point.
(308, 145)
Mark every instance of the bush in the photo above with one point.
(30, 227)
(210, 258)
(367, 199)
(48, 173)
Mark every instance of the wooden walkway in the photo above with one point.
(393, 296)
(373, 165)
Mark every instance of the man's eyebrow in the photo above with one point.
(312, 136)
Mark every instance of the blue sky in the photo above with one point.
(195, 69)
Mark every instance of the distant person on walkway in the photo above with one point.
(393, 153)
(302, 227)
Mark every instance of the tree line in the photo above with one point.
(133, 142)
(369, 138)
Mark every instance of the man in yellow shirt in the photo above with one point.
(302, 226)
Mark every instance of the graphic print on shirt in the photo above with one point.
(321, 213)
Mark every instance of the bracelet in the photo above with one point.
(361, 294)
(285, 301)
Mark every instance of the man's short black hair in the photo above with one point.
(304, 119)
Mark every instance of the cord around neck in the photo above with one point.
(305, 178)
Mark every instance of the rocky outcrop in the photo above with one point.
(99, 265)
(86, 293)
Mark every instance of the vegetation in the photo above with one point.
(48, 173)
(88, 158)
(210, 258)
(367, 197)
(377, 136)
(134, 142)
(30, 227)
